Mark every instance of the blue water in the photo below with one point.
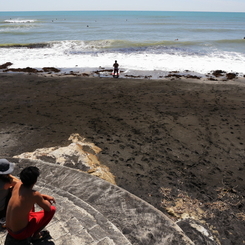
(140, 40)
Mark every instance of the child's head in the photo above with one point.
(29, 175)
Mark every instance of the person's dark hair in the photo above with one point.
(6, 178)
(29, 176)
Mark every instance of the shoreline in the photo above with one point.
(215, 76)
(173, 143)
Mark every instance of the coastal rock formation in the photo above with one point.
(197, 232)
(80, 154)
(231, 76)
(51, 69)
(5, 65)
(218, 73)
(173, 74)
(27, 69)
(228, 76)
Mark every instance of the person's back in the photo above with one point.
(21, 220)
(20, 204)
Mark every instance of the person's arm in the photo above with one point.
(48, 198)
(40, 201)
(12, 183)
(14, 180)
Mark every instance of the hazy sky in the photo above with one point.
(162, 5)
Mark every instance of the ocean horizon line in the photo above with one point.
(186, 11)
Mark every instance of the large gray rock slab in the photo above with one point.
(112, 210)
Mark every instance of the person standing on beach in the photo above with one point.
(21, 220)
(115, 71)
(7, 182)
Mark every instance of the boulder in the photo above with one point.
(51, 69)
(80, 154)
(218, 73)
(5, 65)
(231, 76)
(27, 69)
(197, 232)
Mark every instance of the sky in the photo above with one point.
(161, 5)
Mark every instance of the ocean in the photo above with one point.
(143, 42)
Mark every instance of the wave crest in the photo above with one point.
(19, 21)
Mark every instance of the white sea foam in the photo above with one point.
(81, 55)
(19, 21)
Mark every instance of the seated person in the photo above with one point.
(21, 220)
(7, 182)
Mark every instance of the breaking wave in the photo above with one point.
(19, 21)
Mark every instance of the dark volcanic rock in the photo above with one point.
(27, 69)
(218, 73)
(174, 75)
(230, 76)
(50, 69)
(196, 231)
(192, 76)
(179, 76)
(5, 65)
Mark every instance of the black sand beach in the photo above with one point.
(178, 144)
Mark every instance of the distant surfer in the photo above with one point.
(115, 71)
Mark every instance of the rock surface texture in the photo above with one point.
(93, 211)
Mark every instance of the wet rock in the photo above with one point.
(231, 76)
(174, 75)
(179, 76)
(50, 69)
(27, 69)
(132, 76)
(192, 76)
(103, 70)
(5, 65)
(197, 232)
(218, 73)
(212, 79)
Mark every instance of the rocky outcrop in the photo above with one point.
(197, 232)
(227, 76)
(93, 211)
(231, 76)
(50, 69)
(80, 154)
(27, 69)
(218, 73)
(5, 65)
(173, 74)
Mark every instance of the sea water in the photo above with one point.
(140, 41)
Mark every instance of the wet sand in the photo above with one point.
(178, 144)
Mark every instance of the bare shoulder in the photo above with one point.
(36, 194)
